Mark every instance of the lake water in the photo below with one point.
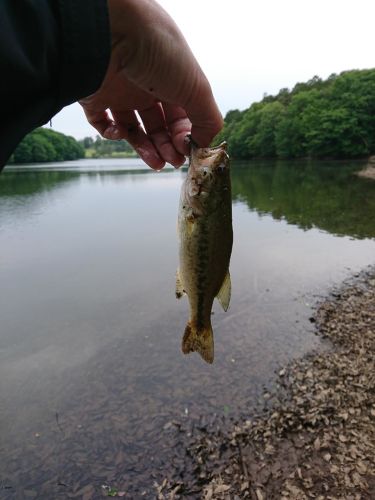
(91, 372)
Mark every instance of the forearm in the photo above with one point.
(52, 53)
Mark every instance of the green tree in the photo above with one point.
(43, 145)
(87, 142)
(332, 118)
(106, 148)
(23, 153)
(42, 149)
(289, 134)
(264, 143)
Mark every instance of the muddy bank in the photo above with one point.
(315, 437)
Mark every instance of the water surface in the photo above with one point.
(91, 371)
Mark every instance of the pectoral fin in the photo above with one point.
(190, 224)
(224, 293)
(179, 287)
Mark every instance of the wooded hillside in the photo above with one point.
(43, 145)
(333, 118)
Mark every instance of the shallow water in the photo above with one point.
(91, 371)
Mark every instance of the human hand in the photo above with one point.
(152, 71)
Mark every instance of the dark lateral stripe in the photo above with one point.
(202, 271)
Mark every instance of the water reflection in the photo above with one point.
(24, 191)
(328, 196)
(28, 180)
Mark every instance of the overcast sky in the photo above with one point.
(251, 47)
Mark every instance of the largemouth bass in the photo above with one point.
(206, 237)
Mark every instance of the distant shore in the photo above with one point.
(91, 154)
(316, 436)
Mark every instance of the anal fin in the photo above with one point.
(225, 292)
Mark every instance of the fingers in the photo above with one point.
(130, 129)
(156, 127)
(165, 127)
(179, 127)
(124, 126)
(162, 139)
(101, 121)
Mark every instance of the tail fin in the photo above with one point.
(200, 340)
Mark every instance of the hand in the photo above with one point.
(152, 71)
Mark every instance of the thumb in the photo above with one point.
(204, 114)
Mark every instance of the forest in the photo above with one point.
(330, 119)
(43, 145)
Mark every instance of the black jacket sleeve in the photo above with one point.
(52, 53)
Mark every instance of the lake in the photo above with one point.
(91, 372)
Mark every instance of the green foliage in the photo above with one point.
(102, 148)
(43, 145)
(333, 118)
(270, 116)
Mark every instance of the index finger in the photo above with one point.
(179, 127)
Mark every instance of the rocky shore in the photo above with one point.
(315, 437)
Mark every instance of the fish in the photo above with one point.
(205, 244)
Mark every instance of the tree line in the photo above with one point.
(104, 148)
(43, 145)
(332, 118)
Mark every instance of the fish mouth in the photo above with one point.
(223, 146)
(216, 156)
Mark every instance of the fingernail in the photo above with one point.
(179, 163)
(150, 157)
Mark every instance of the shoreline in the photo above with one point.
(315, 437)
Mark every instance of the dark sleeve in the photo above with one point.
(52, 53)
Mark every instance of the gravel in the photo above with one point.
(315, 436)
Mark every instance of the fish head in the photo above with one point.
(205, 160)
(207, 167)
